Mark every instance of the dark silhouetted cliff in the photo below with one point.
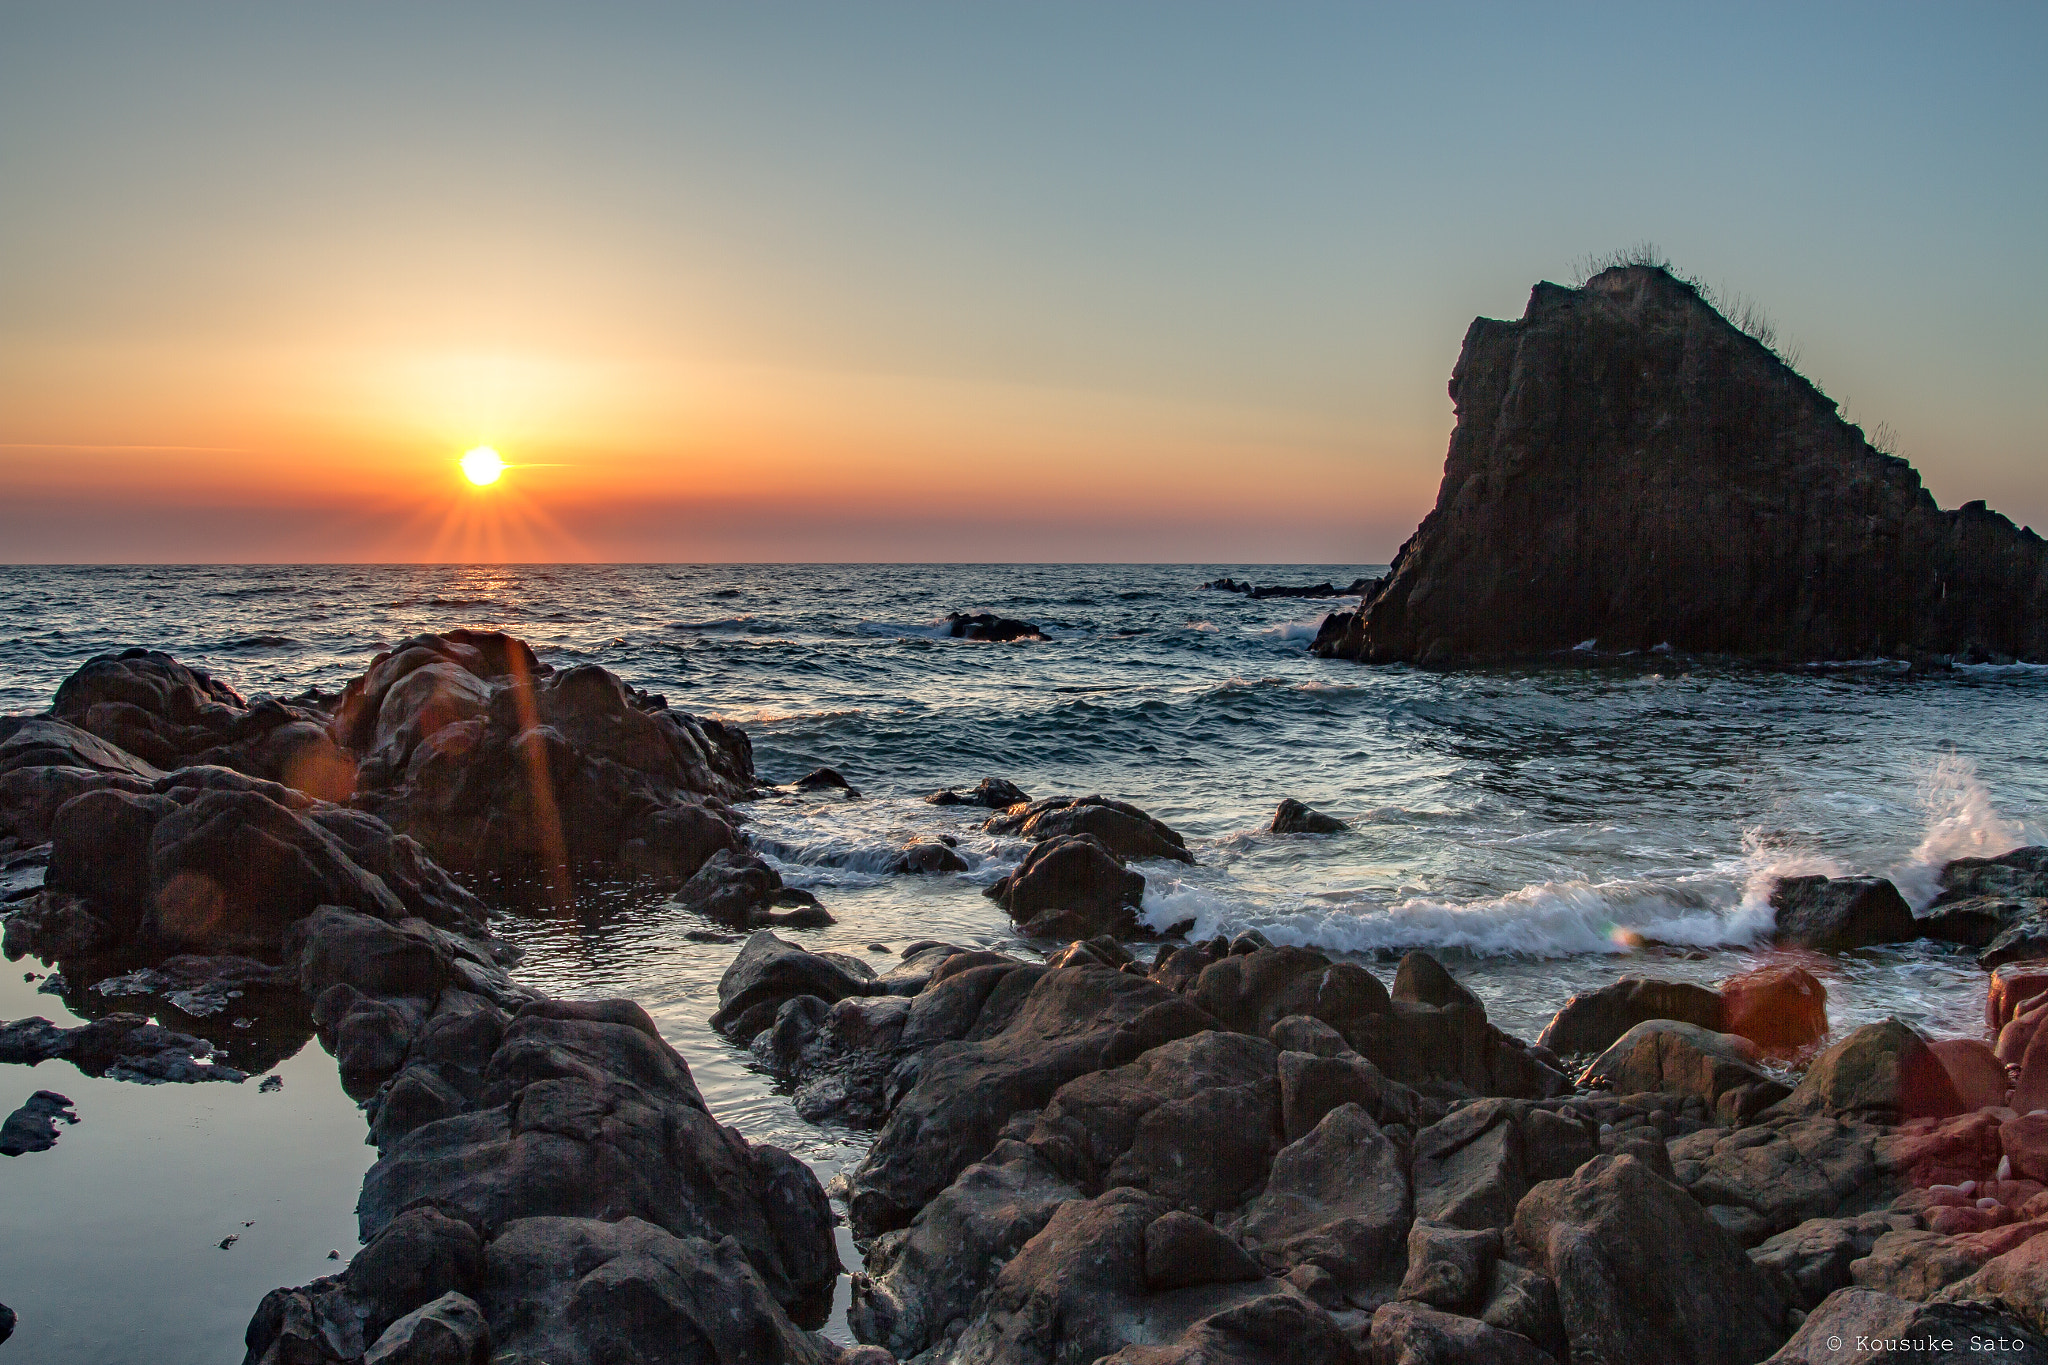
(1630, 468)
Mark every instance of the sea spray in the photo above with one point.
(1962, 822)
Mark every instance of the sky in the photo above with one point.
(953, 282)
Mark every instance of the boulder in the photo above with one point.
(1422, 980)
(742, 890)
(1413, 1334)
(671, 843)
(1274, 1329)
(578, 1291)
(2023, 1140)
(1182, 1250)
(1449, 1268)
(2017, 1278)
(1861, 1327)
(1836, 914)
(924, 1276)
(1780, 1008)
(1035, 1033)
(1974, 1070)
(1605, 1236)
(2020, 872)
(1789, 1168)
(1631, 471)
(1079, 876)
(2013, 987)
(770, 970)
(1194, 1121)
(1680, 1059)
(449, 1331)
(1884, 1070)
(1521, 1301)
(33, 1127)
(1592, 1020)
(125, 1047)
(1295, 818)
(1337, 1199)
(1815, 1256)
(1123, 829)
(334, 945)
(1472, 1167)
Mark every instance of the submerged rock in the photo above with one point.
(988, 626)
(33, 1127)
(1631, 470)
(995, 793)
(1295, 818)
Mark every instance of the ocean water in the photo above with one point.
(1543, 829)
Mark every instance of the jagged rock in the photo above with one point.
(1974, 1070)
(1591, 1021)
(1521, 1301)
(1337, 1199)
(742, 890)
(1836, 914)
(1884, 1070)
(1605, 1236)
(33, 1127)
(1123, 829)
(994, 793)
(1779, 1007)
(988, 626)
(924, 1276)
(2018, 1278)
(1472, 1167)
(1413, 1334)
(1680, 1059)
(1295, 818)
(1631, 470)
(1861, 1327)
(1193, 1121)
(1078, 876)
(1913, 1263)
(2023, 872)
(1788, 1169)
(577, 1291)
(1036, 1032)
(594, 1115)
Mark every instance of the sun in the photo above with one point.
(482, 466)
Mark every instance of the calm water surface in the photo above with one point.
(1529, 825)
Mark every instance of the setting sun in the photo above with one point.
(482, 466)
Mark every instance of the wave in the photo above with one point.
(940, 629)
(721, 623)
(1293, 630)
(253, 642)
(1548, 919)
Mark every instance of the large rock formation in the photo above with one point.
(1629, 469)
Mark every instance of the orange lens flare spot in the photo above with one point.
(482, 466)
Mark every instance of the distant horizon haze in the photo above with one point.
(896, 283)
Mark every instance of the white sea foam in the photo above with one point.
(1549, 919)
(1294, 630)
(1962, 822)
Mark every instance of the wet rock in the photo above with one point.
(1678, 1059)
(1974, 1070)
(378, 958)
(988, 626)
(2020, 872)
(1080, 877)
(1591, 1021)
(1413, 1334)
(2024, 937)
(770, 970)
(124, 1047)
(1337, 1199)
(742, 890)
(1034, 1034)
(449, 1331)
(1604, 1236)
(1126, 831)
(994, 793)
(2013, 987)
(1295, 818)
(928, 857)
(1836, 914)
(1884, 1070)
(922, 1277)
(203, 986)
(671, 843)
(1978, 920)
(1194, 1121)
(33, 1127)
(825, 780)
(415, 1259)
(1779, 1008)
(1861, 1326)
(576, 1291)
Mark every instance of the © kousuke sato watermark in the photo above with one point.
(1883, 1346)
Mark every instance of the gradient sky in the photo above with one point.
(1113, 281)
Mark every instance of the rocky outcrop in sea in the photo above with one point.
(1632, 472)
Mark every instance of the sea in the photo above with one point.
(1543, 829)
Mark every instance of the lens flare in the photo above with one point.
(482, 466)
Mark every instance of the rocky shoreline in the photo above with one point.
(1227, 1151)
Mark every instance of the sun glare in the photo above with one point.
(482, 466)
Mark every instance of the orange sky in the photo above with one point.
(1065, 284)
